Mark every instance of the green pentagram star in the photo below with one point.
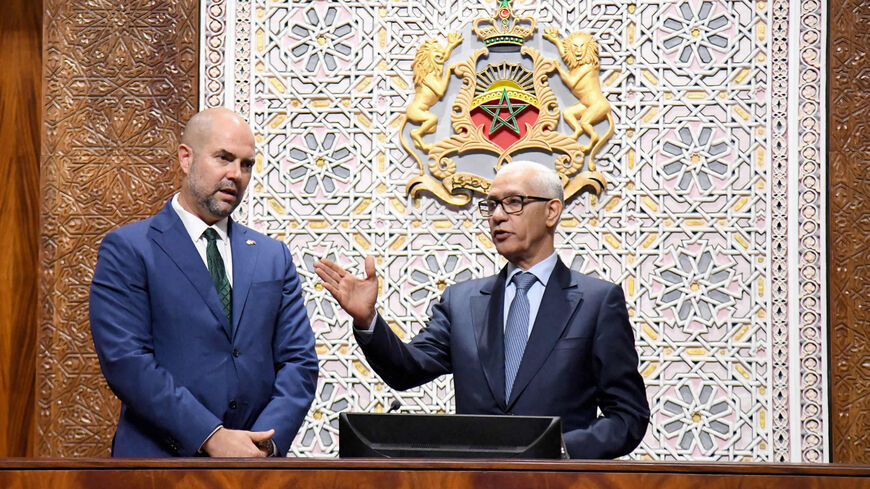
(513, 111)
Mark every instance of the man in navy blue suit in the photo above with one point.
(198, 321)
(535, 339)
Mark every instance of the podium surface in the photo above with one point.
(449, 436)
(408, 473)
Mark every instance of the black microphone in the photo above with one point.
(394, 405)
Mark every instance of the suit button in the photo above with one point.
(233, 404)
(236, 352)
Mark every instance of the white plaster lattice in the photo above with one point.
(811, 240)
(692, 223)
(779, 200)
(212, 57)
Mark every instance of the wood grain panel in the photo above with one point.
(20, 78)
(849, 228)
(401, 474)
(120, 79)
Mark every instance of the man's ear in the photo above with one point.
(185, 157)
(554, 212)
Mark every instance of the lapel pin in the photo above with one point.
(250, 242)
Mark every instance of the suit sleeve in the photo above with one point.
(405, 365)
(295, 364)
(620, 392)
(120, 316)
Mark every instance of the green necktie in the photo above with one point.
(219, 273)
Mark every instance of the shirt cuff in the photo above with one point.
(201, 449)
(370, 329)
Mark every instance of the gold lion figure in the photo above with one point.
(579, 51)
(429, 86)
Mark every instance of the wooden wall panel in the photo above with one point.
(849, 227)
(20, 38)
(120, 79)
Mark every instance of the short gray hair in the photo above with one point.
(545, 181)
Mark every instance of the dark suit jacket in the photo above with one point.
(169, 353)
(580, 356)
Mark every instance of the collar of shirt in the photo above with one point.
(541, 270)
(196, 226)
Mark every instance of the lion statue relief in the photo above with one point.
(429, 86)
(579, 51)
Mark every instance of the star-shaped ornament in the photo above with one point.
(514, 109)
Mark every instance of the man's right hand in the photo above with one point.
(356, 296)
(236, 443)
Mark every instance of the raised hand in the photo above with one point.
(551, 34)
(357, 296)
(236, 443)
(453, 39)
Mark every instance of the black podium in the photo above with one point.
(449, 436)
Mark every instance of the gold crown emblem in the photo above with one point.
(504, 28)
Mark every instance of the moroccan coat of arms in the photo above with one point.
(505, 108)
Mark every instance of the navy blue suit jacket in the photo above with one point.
(169, 353)
(580, 357)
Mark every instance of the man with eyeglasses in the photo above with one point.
(535, 339)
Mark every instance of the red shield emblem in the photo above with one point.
(505, 119)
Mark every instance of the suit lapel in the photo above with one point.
(172, 238)
(487, 315)
(244, 260)
(561, 298)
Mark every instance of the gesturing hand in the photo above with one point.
(357, 296)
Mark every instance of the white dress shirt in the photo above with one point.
(196, 226)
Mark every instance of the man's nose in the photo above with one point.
(498, 214)
(234, 170)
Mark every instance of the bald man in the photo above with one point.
(198, 321)
(535, 339)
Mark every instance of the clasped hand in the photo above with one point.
(237, 443)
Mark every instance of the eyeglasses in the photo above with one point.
(512, 204)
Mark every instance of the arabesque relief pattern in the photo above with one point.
(848, 216)
(690, 222)
(119, 78)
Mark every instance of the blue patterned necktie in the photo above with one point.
(516, 331)
(218, 273)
